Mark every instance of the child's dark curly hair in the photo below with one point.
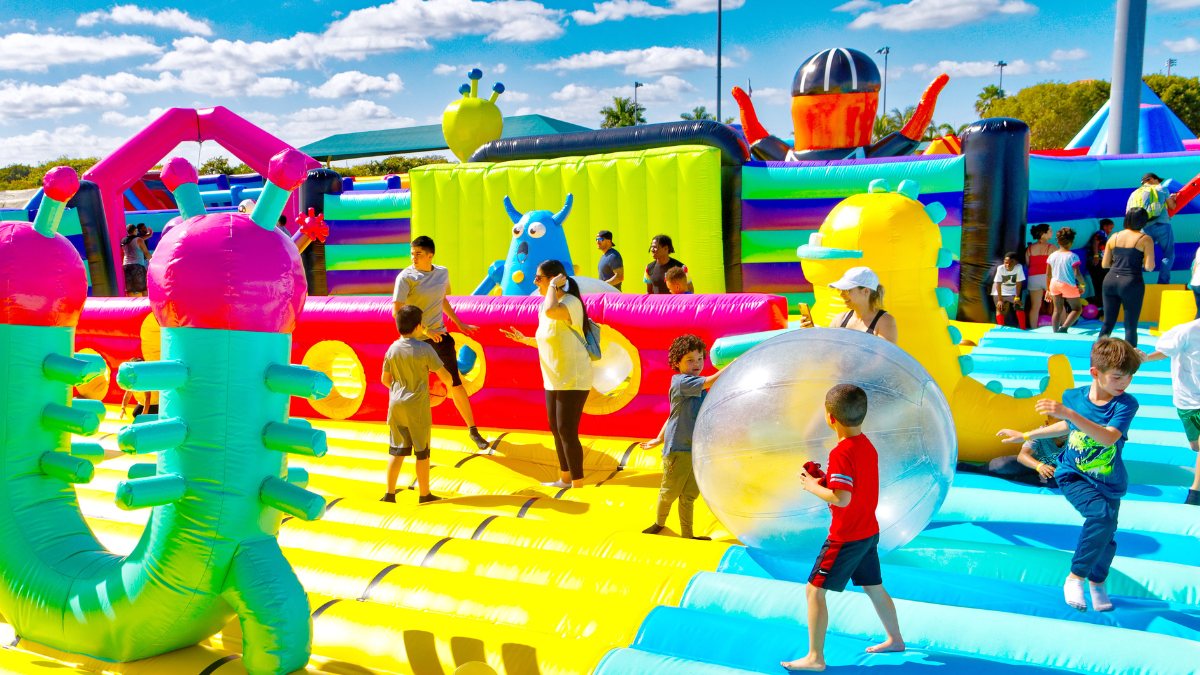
(1066, 237)
(682, 346)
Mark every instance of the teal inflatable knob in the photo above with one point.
(152, 375)
(291, 499)
(945, 297)
(966, 364)
(65, 467)
(88, 450)
(1022, 392)
(71, 370)
(68, 420)
(878, 186)
(298, 381)
(90, 405)
(141, 493)
(140, 439)
(297, 476)
(299, 422)
(141, 470)
(294, 439)
(995, 387)
(955, 334)
(909, 188)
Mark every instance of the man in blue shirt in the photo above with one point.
(612, 268)
(1091, 472)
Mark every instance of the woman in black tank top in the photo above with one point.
(863, 294)
(1126, 255)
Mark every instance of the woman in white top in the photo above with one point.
(566, 367)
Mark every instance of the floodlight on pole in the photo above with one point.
(885, 50)
(1001, 65)
(636, 84)
(1171, 63)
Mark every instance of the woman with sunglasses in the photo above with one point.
(656, 272)
(566, 367)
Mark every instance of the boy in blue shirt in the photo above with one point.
(1091, 472)
(687, 391)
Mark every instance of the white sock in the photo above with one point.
(1100, 601)
(1073, 594)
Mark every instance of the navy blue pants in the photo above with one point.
(1097, 543)
(1164, 240)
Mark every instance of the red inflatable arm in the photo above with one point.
(750, 125)
(920, 120)
(1186, 195)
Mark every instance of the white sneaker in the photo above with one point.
(1100, 601)
(557, 484)
(1073, 594)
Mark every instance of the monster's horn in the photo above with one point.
(513, 213)
(286, 172)
(566, 210)
(181, 179)
(58, 186)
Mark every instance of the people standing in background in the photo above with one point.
(1066, 281)
(1095, 248)
(677, 281)
(1127, 253)
(1006, 290)
(135, 258)
(1195, 281)
(1157, 201)
(1035, 262)
(611, 269)
(656, 272)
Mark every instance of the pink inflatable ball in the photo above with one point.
(42, 281)
(1045, 320)
(288, 169)
(222, 271)
(178, 171)
(1090, 312)
(170, 224)
(60, 183)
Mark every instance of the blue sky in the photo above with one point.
(79, 77)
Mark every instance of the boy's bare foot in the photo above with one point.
(888, 645)
(809, 663)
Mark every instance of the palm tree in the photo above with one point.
(622, 113)
(987, 96)
(698, 113)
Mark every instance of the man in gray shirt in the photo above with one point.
(612, 268)
(426, 286)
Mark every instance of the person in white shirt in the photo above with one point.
(1195, 282)
(1181, 344)
(1006, 290)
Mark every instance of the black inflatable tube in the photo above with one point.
(102, 269)
(317, 184)
(620, 139)
(995, 203)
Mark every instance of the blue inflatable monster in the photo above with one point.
(537, 236)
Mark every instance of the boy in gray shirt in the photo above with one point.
(406, 368)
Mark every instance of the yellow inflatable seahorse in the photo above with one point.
(898, 237)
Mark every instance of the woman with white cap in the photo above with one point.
(863, 294)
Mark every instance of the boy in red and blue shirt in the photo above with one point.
(850, 553)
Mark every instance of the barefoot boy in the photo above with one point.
(851, 486)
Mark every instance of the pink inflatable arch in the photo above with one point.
(125, 166)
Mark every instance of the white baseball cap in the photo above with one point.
(857, 277)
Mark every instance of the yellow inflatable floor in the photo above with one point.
(525, 578)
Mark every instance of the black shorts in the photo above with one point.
(135, 278)
(449, 355)
(842, 561)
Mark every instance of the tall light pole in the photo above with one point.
(1171, 63)
(1001, 65)
(885, 51)
(636, 84)
(719, 3)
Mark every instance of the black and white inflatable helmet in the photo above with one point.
(836, 71)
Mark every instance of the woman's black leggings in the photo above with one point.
(1121, 290)
(564, 409)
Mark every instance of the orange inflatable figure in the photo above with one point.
(835, 96)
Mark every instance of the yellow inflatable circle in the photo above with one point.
(474, 668)
(97, 387)
(472, 379)
(616, 377)
(151, 338)
(337, 360)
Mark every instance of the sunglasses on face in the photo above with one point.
(538, 277)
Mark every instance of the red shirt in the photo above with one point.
(854, 467)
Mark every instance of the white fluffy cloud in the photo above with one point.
(231, 82)
(581, 103)
(974, 68)
(1076, 54)
(856, 6)
(618, 10)
(124, 121)
(449, 69)
(645, 62)
(1184, 46)
(78, 140)
(309, 124)
(132, 15)
(24, 100)
(931, 14)
(1176, 4)
(37, 53)
(355, 83)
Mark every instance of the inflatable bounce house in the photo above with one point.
(235, 524)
